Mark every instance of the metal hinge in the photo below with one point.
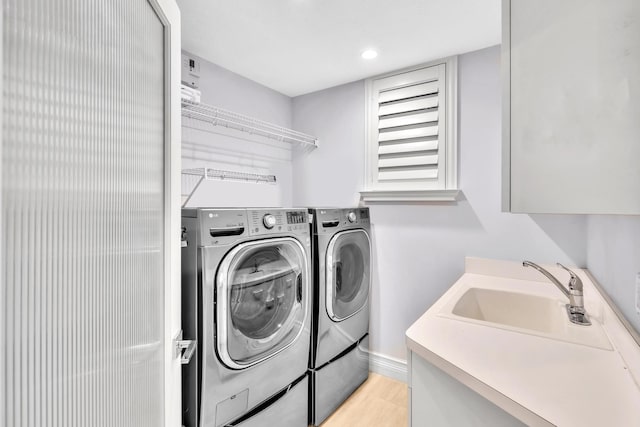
(184, 349)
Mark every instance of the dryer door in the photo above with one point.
(261, 300)
(348, 273)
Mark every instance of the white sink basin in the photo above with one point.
(524, 313)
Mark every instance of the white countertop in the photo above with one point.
(539, 380)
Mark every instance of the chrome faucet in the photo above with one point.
(575, 308)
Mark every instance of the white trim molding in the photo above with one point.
(169, 14)
(388, 366)
(373, 196)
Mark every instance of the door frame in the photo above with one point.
(3, 340)
(169, 15)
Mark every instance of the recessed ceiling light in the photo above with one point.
(369, 54)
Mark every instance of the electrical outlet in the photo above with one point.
(638, 293)
(190, 70)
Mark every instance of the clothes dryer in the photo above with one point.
(246, 300)
(339, 360)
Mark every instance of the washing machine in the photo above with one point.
(339, 358)
(246, 299)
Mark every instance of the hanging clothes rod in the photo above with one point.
(220, 117)
(200, 174)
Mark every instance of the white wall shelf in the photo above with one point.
(219, 117)
(192, 178)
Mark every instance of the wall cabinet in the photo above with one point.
(571, 128)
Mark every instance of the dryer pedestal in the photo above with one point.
(335, 381)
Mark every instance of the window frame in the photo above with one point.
(375, 191)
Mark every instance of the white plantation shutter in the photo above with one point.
(408, 131)
(410, 126)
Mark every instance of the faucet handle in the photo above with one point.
(574, 282)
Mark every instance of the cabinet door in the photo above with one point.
(572, 128)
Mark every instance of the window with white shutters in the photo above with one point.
(411, 145)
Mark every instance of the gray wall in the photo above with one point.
(221, 148)
(331, 175)
(419, 249)
(613, 257)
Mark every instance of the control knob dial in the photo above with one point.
(351, 216)
(269, 221)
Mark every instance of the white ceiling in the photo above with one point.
(301, 46)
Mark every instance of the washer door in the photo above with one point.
(348, 273)
(261, 300)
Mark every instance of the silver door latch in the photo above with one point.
(183, 238)
(184, 349)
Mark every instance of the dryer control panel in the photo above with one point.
(273, 221)
(330, 220)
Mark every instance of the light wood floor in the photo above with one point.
(379, 402)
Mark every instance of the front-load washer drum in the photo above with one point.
(261, 300)
(348, 273)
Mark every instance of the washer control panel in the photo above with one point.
(269, 221)
(216, 227)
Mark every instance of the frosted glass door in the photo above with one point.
(83, 213)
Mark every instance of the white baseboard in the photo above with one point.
(388, 366)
